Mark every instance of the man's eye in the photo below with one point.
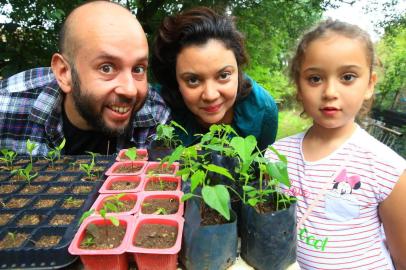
(139, 70)
(349, 77)
(314, 79)
(106, 68)
(224, 75)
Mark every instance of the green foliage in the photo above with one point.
(89, 168)
(31, 146)
(131, 153)
(290, 123)
(218, 138)
(391, 49)
(8, 157)
(26, 173)
(165, 133)
(55, 153)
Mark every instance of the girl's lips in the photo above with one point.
(212, 109)
(330, 110)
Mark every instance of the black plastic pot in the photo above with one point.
(268, 241)
(229, 163)
(156, 151)
(212, 247)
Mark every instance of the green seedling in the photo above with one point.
(31, 146)
(88, 241)
(12, 236)
(218, 139)
(113, 203)
(25, 173)
(8, 157)
(88, 168)
(160, 211)
(165, 133)
(55, 153)
(131, 153)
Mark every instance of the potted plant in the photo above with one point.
(132, 154)
(210, 232)
(268, 215)
(155, 242)
(165, 141)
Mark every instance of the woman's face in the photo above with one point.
(208, 81)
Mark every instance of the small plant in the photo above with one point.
(73, 202)
(218, 139)
(55, 153)
(31, 146)
(25, 173)
(8, 157)
(12, 236)
(88, 241)
(88, 168)
(131, 153)
(113, 203)
(160, 211)
(165, 133)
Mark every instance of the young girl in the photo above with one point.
(352, 183)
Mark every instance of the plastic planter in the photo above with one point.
(113, 170)
(112, 259)
(161, 182)
(152, 258)
(99, 203)
(176, 195)
(106, 187)
(142, 155)
(174, 167)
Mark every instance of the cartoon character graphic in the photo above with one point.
(340, 203)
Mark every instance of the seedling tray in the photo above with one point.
(28, 255)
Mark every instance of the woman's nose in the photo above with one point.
(210, 91)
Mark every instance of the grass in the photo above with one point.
(291, 123)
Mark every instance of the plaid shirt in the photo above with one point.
(31, 108)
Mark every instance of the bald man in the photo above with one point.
(95, 95)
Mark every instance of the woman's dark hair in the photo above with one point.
(194, 27)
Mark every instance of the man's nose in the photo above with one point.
(126, 85)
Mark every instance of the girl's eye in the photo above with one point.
(224, 75)
(348, 77)
(314, 79)
(107, 68)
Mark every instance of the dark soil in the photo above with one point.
(124, 185)
(210, 216)
(61, 219)
(31, 219)
(45, 203)
(13, 240)
(17, 202)
(128, 169)
(55, 168)
(82, 189)
(48, 241)
(32, 189)
(156, 236)
(72, 203)
(6, 189)
(156, 184)
(43, 178)
(161, 170)
(155, 206)
(67, 178)
(103, 237)
(57, 190)
(5, 218)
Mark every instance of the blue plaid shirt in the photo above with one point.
(31, 108)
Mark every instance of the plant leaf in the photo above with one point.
(219, 170)
(218, 198)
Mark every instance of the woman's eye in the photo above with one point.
(139, 70)
(348, 77)
(106, 68)
(224, 75)
(314, 79)
(192, 81)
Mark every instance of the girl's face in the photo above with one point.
(335, 80)
(208, 80)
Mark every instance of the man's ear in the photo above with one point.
(62, 71)
(371, 85)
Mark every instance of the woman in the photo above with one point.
(198, 57)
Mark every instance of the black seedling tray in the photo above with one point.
(28, 255)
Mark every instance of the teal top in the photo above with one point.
(256, 114)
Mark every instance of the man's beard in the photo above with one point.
(83, 103)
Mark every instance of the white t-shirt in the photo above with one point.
(343, 231)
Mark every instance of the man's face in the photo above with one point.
(108, 79)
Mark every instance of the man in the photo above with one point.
(96, 96)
